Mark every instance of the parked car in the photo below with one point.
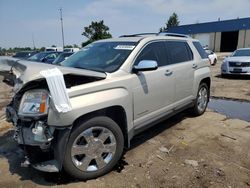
(71, 49)
(45, 57)
(237, 64)
(116, 88)
(24, 54)
(62, 57)
(53, 49)
(212, 56)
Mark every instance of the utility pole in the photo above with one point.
(62, 26)
(33, 41)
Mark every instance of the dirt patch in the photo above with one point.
(221, 161)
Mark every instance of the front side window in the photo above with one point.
(179, 51)
(153, 51)
(101, 56)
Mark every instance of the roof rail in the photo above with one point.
(139, 35)
(173, 34)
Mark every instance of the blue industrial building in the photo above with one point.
(220, 36)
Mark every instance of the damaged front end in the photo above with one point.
(43, 143)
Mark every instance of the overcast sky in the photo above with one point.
(20, 19)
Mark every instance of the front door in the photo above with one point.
(153, 91)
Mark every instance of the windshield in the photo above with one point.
(245, 52)
(67, 50)
(22, 54)
(209, 52)
(50, 50)
(101, 56)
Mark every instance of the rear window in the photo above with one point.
(201, 51)
(178, 51)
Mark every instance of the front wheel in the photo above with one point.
(201, 100)
(94, 148)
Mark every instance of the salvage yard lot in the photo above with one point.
(180, 152)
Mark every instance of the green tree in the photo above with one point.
(68, 46)
(42, 49)
(96, 31)
(172, 21)
(75, 46)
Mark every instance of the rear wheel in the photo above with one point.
(201, 100)
(94, 148)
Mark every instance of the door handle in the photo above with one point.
(168, 72)
(194, 66)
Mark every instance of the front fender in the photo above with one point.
(91, 102)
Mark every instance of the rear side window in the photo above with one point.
(154, 51)
(178, 51)
(201, 51)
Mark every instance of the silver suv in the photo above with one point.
(116, 88)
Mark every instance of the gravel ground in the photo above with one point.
(207, 151)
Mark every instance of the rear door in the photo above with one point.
(182, 65)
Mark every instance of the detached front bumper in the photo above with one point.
(43, 145)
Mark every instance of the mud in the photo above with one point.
(231, 108)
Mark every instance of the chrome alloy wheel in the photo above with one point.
(93, 149)
(202, 99)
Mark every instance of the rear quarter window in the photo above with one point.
(200, 50)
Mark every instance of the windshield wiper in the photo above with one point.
(90, 69)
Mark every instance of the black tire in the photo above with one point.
(195, 111)
(100, 121)
(224, 76)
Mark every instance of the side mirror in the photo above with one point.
(145, 65)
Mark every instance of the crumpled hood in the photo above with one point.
(27, 70)
(238, 59)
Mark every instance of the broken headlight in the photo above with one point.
(34, 103)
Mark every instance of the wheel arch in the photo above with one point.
(116, 113)
(207, 81)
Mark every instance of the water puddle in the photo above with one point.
(232, 109)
